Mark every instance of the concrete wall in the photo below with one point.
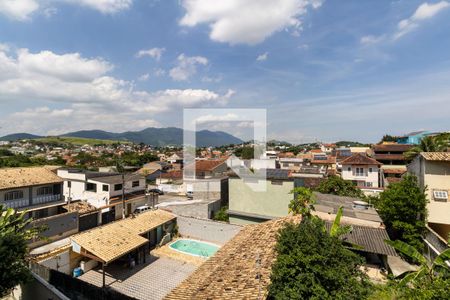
(207, 230)
(272, 203)
(371, 177)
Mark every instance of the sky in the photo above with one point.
(324, 70)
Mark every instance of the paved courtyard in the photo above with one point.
(153, 280)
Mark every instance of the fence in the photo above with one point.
(74, 288)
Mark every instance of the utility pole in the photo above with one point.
(123, 196)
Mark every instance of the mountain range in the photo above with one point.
(152, 136)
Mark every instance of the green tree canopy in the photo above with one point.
(303, 202)
(14, 234)
(337, 186)
(402, 206)
(311, 264)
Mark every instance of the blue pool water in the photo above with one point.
(195, 248)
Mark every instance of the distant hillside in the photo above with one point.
(19, 136)
(152, 136)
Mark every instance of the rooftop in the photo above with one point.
(391, 147)
(22, 177)
(436, 156)
(113, 240)
(360, 159)
(232, 273)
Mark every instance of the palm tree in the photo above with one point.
(438, 266)
(429, 144)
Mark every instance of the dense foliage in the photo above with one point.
(402, 206)
(25, 161)
(245, 152)
(337, 186)
(13, 249)
(303, 202)
(389, 138)
(436, 143)
(311, 264)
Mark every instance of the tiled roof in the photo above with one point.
(173, 174)
(330, 160)
(389, 157)
(206, 165)
(391, 147)
(280, 174)
(436, 156)
(22, 177)
(394, 171)
(233, 272)
(359, 159)
(113, 240)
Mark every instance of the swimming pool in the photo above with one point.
(195, 248)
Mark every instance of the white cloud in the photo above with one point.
(144, 77)
(262, 57)
(19, 10)
(371, 39)
(85, 94)
(105, 6)
(243, 21)
(423, 12)
(159, 72)
(186, 67)
(155, 53)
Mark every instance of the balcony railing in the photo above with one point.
(20, 203)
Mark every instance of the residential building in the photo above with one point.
(241, 269)
(362, 170)
(391, 154)
(413, 138)
(36, 189)
(433, 172)
(291, 163)
(248, 206)
(104, 190)
(207, 168)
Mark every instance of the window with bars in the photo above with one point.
(44, 190)
(13, 195)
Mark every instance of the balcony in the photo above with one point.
(21, 203)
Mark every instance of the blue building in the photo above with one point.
(413, 138)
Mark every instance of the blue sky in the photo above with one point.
(325, 70)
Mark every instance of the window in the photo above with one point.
(105, 188)
(349, 169)
(118, 187)
(440, 195)
(370, 170)
(135, 183)
(275, 182)
(285, 165)
(91, 187)
(359, 171)
(368, 184)
(13, 195)
(45, 190)
(69, 184)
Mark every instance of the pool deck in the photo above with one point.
(152, 280)
(166, 251)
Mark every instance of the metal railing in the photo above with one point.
(20, 203)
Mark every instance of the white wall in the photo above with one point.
(368, 176)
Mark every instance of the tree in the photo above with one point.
(402, 206)
(429, 272)
(14, 234)
(337, 186)
(429, 144)
(303, 202)
(311, 264)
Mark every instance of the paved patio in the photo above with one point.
(153, 280)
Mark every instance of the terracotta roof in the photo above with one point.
(232, 273)
(436, 156)
(113, 240)
(394, 171)
(359, 159)
(392, 147)
(330, 160)
(207, 165)
(22, 177)
(389, 157)
(173, 174)
(393, 179)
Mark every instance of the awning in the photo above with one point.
(109, 242)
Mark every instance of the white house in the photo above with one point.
(362, 170)
(433, 171)
(98, 188)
